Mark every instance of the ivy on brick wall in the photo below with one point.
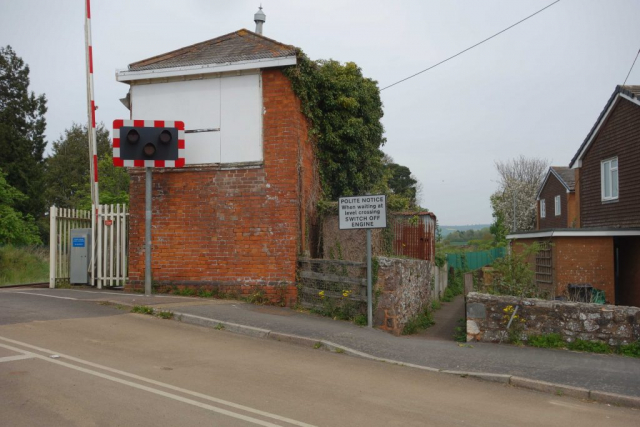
(344, 110)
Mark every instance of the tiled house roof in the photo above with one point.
(566, 175)
(241, 45)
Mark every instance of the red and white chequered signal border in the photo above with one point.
(117, 161)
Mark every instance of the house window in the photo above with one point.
(609, 174)
(543, 209)
(557, 206)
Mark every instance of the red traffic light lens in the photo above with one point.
(149, 150)
(133, 136)
(165, 137)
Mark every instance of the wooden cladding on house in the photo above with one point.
(553, 187)
(619, 137)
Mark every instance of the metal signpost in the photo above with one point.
(148, 144)
(366, 212)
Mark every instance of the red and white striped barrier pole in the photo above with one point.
(93, 150)
(91, 107)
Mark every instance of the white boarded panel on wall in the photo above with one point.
(195, 102)
(241, 121)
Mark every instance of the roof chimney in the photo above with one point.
(259, 18)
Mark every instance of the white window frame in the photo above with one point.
(558, 206)
(543, 209)
(612, 170)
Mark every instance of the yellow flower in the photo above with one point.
(321, 294)
(346, 293)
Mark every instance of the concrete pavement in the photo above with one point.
(587, 372)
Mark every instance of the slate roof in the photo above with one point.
(241, 45)
(566, 175)
(631, 91)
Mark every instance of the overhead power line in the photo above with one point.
(471, 47)
(634, 63)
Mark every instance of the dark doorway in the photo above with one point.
(627, 270)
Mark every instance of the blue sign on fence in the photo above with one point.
(79, 242)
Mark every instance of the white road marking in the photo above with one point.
(118, 293)
(45, 295)
(154, 382)
(16, 357)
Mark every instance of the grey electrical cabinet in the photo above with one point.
(80, 255)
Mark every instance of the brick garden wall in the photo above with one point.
(614, 325)
(233, 226)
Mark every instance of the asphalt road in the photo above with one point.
(77, 363)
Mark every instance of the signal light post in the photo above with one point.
(148, 144)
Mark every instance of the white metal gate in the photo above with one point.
(61, 222)
(109, 243)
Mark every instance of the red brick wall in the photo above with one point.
(234, 228)
(579, 260)
(584, 260)
(552, 188)
(619, 136)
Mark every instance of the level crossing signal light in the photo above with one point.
(148, 143)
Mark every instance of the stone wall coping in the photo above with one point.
(383, 260)
(480, 297)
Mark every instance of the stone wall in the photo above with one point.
(403, 291)
(614, 325)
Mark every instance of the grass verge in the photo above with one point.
(144, 309)
(556, 341)
(20, 265)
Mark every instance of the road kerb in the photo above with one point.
(294, 339)
(551, 388)
(615, 399)
(229, 326)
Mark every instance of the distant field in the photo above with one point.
(20, 265)
(448, 229)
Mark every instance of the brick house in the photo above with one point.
(556, 199)
(236, 216)
(591, 232)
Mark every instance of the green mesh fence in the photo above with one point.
(475, 260)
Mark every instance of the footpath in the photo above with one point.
(609, 379)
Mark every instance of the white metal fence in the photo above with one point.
(109, 242)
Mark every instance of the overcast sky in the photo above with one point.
(535, 90)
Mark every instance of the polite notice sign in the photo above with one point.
(362, 212)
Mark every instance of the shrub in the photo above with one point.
(546, 341)
(590, 346)
(631, 350)
(513, 275)
(418, 323)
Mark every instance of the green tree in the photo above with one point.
(22, 126)
(15, 228)
(68, 174)
(344, 109)
(402, 182)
